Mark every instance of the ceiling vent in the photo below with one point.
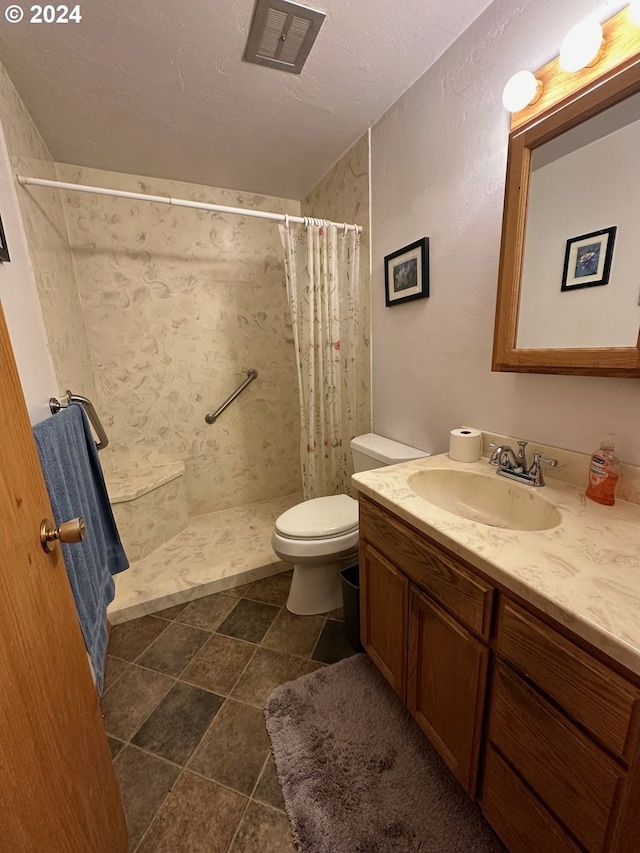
(282, 34)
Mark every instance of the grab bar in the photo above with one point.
(213, 416)
(56, 405)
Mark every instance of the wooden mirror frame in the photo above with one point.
(613, 85)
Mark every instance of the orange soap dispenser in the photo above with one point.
(604, 470)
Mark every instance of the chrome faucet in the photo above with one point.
(503, 456)
(514, 466)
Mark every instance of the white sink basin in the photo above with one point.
(485, 498)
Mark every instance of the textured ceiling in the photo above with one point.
(159, 88)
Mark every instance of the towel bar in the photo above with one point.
(56, 405)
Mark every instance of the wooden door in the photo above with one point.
(384, 610)
(58, 791)
(446, 685)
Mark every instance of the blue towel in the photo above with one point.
(73, 475)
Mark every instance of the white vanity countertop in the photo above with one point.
(584, 573)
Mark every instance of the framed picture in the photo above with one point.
(406, 273)
(4, 251)
(587, 259)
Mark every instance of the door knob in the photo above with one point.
(68, 531)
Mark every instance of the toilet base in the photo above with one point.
(315, 589)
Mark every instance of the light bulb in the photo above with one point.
(521, 90)
(634, 11)
(581, 45)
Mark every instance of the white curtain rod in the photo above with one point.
(181, 202)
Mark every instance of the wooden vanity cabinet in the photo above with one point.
(555, 729)
(384, 610)
(418, 618)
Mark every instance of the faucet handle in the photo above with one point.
(538, 457)
(495, 456)
(536, 468)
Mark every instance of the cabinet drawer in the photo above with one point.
(465, 596)
(575, 779)
(518, 817)
(590, 693)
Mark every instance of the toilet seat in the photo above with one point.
(329, 517)
(317, 550)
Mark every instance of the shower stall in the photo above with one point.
(156, 314)
(177, 306)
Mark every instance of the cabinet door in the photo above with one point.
(446, 685)
(384, 607)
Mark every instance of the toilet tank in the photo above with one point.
(374, 451)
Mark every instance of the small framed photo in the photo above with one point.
(587, 259)
(406, 273)
(4, 251)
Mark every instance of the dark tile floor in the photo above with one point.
(183, 707)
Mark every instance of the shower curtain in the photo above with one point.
(322, 274)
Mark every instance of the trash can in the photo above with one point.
(350, 579)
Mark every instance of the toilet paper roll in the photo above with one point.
(465, 444)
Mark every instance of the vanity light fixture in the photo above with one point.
(582, 46)
(521, 90)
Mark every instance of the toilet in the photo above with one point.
(320, 536)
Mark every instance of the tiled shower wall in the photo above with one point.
(179, 304)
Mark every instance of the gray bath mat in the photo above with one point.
(358, 775)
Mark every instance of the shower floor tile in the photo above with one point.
(216, 552)
(189, 745)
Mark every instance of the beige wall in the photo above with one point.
(343, 196)
(179, 304)
(44, 225)
(438, 169)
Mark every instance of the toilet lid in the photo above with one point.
(319, 518)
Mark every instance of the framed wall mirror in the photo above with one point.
(569, 279)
